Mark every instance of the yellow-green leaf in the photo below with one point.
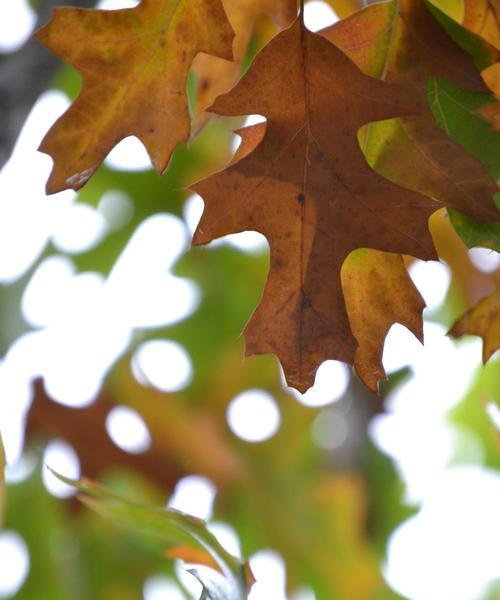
(134, 64)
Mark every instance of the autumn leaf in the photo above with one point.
(309, 190)
(215, 75)
(134, 64)
(378, 292)
(483, 320)
(402, 43)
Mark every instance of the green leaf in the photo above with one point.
(482, 53)
(455, 111)
(174, 530)
(474, 234)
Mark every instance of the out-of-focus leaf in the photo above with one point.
(491, 76)
(483, 18)
(385, 496)
(134, 64)
(85, 430)
(173, 528)
(75, 554)
(483, 320)
(470, 417)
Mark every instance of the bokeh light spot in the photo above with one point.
(128, 430)
(129, 155)
(62, 459)
(318, 15)
(14, 563)
(253, 416)
(194, 495)
(163, 364)
(160, 587)
(330, 384)
(432, 279)
(486, 260)
(17, 20)
(269, 570)
(330, 429)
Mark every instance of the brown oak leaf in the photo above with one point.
(308, 189)
(483, 320)
(134, 63)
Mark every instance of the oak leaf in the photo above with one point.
(483, 320)
(134, 63)
(309, 190)
(378, 292)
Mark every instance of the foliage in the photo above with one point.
(380, 145)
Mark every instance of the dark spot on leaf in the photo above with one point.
(305, 303)
(301, 198)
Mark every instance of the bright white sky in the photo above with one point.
(453, 538)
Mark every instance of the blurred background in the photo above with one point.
(123, 362)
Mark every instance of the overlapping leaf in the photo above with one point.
(402, 42)
(456, 112)
(308, 189)
(134, 64)
(216, 76)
